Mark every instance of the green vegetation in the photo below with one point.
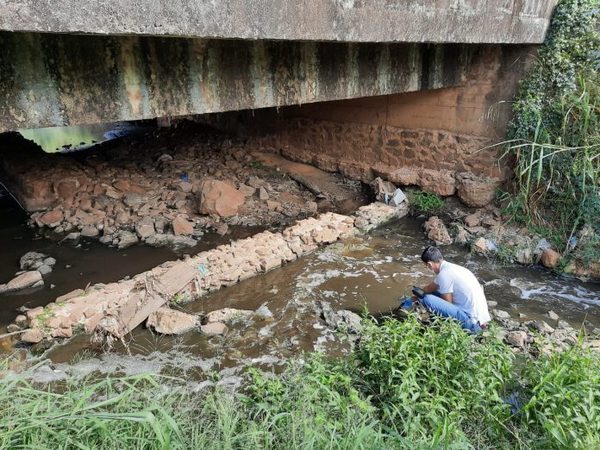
(425, 202)
(406, 386)
(555, 133)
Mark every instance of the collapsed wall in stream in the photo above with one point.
(113, 310)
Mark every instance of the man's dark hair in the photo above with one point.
(432, 254)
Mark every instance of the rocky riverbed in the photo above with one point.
(166, 188)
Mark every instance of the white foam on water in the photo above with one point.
(533, 290)
(111, 363)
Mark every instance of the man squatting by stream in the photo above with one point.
(454, 293)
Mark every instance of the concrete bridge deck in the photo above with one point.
(84, 61)
(452, 21)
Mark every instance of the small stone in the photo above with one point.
(214, 329)
(550, 258)
(182, 227)
(264, 312)
(541, 326)
(273, 205)
(524, 256)
(221, 228)
(263, 194)
(484, 246)
(552, 315)
(563, 324)
(62, 332)
(44, 270)
(500, 314)
(185, 186)
(31, 314)
(21, 320)
(49, 261)
(517, 338)
(31, 260)
(12, 328)
(169, 321)
(437, 231)
(127, 239)
(227, 315)
(145, 228)
(219, 198)
(473, 220)
(25, 280)
(52, 218)
(90, 231)
(72, 236)
(350, 320)
(32, 336)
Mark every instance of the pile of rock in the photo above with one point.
(537, 336)
(34, 266)
(143, 192)
(115, 309)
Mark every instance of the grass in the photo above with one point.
(555, 132)
(407, 386)
(425, 202)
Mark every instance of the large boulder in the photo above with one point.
(219, 198)
(475, 191)
(169, 321)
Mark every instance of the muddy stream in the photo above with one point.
(365, 273)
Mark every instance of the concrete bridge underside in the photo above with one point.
(57, 79)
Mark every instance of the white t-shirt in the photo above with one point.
(467, 293)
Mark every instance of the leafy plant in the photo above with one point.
(407, 385)
(425, 202)
(555, 132)
(564, 404)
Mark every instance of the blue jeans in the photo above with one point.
(441, 307)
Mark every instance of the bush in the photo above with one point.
(406, 386)
(431, 380)
(425, 202)
(564, 405)
(555, 132)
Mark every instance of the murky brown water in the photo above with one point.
(78, 263)
(370, 272)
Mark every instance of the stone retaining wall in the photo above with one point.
(114, 309)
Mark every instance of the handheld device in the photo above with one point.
(418, 292)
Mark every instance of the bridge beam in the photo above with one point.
(59, 80)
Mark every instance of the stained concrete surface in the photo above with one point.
(59, 80)
(466, 21)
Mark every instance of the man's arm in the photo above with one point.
(431, 287)
(448, 297)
